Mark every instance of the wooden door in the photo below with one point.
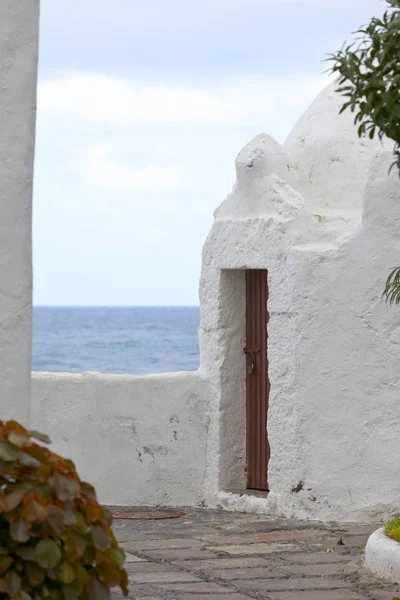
(257, 382)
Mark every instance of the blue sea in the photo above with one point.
(115, 340)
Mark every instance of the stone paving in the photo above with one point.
(218, 555)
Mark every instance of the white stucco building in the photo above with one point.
(293, 271)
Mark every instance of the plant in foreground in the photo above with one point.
(392, 529)
(369, 77)
(56, 540)
(392, 287)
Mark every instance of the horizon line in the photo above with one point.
(116, 306)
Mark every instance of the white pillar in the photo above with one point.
(19, 32)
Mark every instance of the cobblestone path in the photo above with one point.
(233, 556)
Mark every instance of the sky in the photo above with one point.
(142, 109)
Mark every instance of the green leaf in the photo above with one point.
(106, 516)
(3, 585)
(56, 594)
(24, 595)
(14, 584)
(71, 592)
(89, 558)
(98, 591)
(36, 575)
(70, 517)
(82, 577)
(80, 522)
(100, 538)
(51, 574)
(74, 544)
(56, 519)
(19, 530)
(116, 556)
(392, 287)
(109, 573)
(8, 452)
(67, 488)
(5, 563)
(42, 437)
(88, 490)
(26, 552)
(12, 500)
(27, 460)
(47, 554)
(66, 573)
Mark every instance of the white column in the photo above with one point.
(19, 32)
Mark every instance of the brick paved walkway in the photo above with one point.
(232, 556)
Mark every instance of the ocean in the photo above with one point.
(137, 340)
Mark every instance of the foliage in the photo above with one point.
(392, 287)
(56, 540)
(369, 79)
(392, 529)
(369, 76)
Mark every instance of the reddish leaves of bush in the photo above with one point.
(56, 540)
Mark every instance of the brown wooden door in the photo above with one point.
(257, 382)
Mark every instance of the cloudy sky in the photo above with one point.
(142, 108)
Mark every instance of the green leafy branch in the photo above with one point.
(392, 287)
(369, 77)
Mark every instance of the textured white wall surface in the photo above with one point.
(139, 440)
(19, 26)
(322, 215)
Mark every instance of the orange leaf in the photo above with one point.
(35, 512)
(124, 583)
(17, 434)
(39, 452)
(109, 573)
(92, 511)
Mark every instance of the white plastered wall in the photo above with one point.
(138, 440)
(19, 27)
(323, 216)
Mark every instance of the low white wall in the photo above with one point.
(139, 440)
(19, 27)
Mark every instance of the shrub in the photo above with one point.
(56, 540)
(392, 529)
(369, 77)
